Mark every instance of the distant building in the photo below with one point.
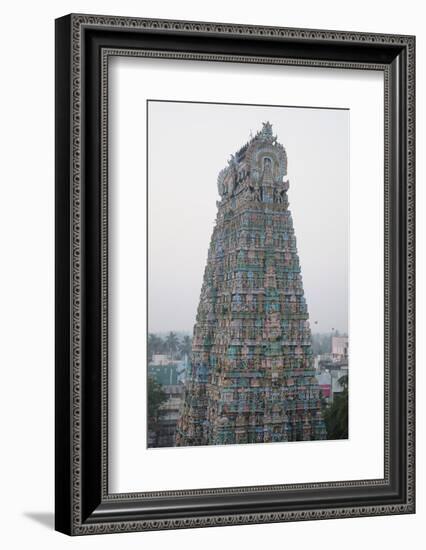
(339, 347)
(325, 384)
(169, 415)
(328, 381)
(164, 374)
(169, 375)
(161, 359)
(337, 359)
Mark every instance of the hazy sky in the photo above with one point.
(189, 143)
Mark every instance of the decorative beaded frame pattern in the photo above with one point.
(78, 22)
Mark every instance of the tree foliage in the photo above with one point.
(156, 397)
(171, 345)
(336, 417)
(185, 345)
(172, 342)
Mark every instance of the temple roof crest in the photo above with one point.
(265, 134)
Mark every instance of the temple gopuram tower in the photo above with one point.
(251, 377)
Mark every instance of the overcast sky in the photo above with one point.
(189, 143)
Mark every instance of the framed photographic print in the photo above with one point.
(234, 274)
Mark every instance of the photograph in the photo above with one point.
(248, 278)
(234, 274)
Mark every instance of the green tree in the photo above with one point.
(172, 342)
(156, 397)
(336, 417)
(185, 345)
(156, 345)
(152, 341)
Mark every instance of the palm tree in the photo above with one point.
(185, 345)
(155, 345)
(172, 343)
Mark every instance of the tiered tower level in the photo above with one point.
(251, 377)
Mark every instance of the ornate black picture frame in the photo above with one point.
(83, 45)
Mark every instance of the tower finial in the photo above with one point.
(266, 132)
